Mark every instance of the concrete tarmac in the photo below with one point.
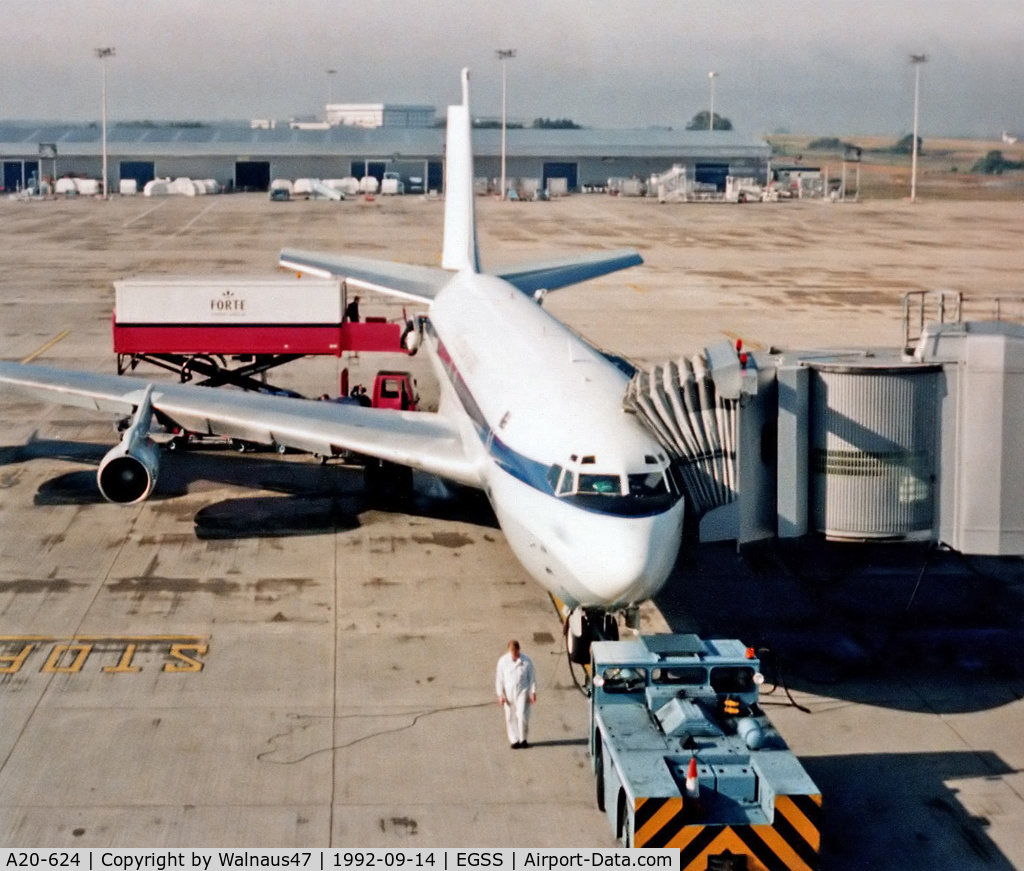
(262, 656)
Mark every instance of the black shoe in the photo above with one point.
(523, 745)
(515, 746)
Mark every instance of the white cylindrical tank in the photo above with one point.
(873, 450)
(182, 187)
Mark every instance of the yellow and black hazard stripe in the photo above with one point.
(791, 843)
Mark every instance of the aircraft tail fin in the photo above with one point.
(460, 249)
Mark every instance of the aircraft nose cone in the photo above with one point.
(631, 562)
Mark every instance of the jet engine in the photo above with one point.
(128, 472)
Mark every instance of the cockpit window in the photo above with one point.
(605, 485)
(732, 679)
(645, 493)
(624, 680)
(647, 484)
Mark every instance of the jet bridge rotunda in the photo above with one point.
(923, 444)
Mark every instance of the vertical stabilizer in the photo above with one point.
(459, 219)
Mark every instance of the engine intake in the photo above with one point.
(128, 472)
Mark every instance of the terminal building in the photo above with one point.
(241, 157)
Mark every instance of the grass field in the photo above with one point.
(944, 166)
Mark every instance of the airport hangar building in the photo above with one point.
(243, 158)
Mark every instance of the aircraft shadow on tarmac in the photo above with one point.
(315, 499)
(899, 810)
(899, 626)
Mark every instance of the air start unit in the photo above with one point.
(684, 757)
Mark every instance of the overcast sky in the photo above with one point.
(803, 65)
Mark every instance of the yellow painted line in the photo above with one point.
(747, 343)
(47, 346)
(135, 639)
(561, 608)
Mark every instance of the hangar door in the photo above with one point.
(252, 175)
(13, 179)
(435, 175)
(367, 168)
(711, 173)
(568, 171)
(143, 171)
(18, 174)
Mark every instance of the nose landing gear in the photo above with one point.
(585, 626)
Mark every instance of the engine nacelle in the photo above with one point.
(128, 472)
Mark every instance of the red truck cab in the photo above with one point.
(395, 390)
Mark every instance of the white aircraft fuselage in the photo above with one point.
(529, 412)
(582, 491)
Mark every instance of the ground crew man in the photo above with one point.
(516, 687)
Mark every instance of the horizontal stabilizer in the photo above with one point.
(419, 283)
(553, 274)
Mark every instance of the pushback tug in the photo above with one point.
(685, 757)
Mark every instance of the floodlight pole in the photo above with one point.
(916, 60)
(330, 90)
(103, 54)
(503, 55)
(711, 116)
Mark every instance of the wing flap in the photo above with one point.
(555, 274)
(417, 439)
(419, 283)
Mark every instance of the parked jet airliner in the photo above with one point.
(529, 411)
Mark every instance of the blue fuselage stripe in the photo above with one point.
(531, 472)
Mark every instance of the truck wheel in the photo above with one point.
(599, 774)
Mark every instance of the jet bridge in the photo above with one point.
(890, 444)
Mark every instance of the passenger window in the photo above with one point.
(604, 485)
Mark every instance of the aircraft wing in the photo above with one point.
(553, 274)
(417, 439)
(419, 283)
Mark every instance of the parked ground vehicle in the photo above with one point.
(684, 756)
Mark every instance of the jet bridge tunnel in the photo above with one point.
(924, 445)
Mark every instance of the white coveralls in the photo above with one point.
(515, 683)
